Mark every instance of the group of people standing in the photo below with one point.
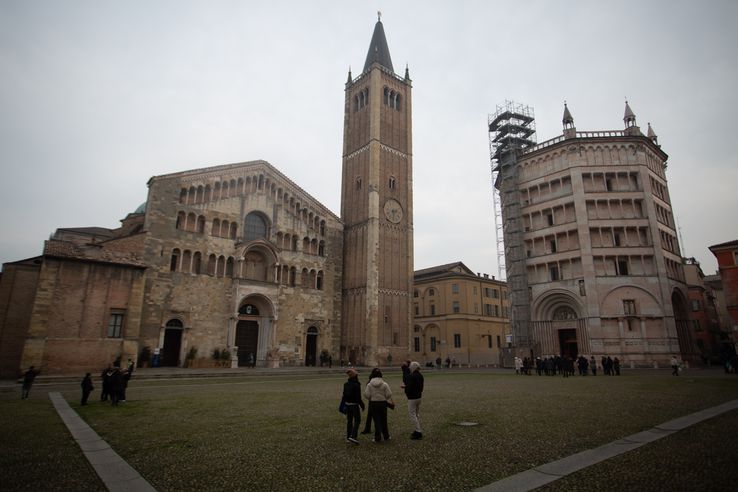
(114, 384)
(379, 395)
(565, 365)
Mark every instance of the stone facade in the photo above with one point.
(459, 315)
(240, 259)
(598, 246)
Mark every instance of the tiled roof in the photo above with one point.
(66, 249)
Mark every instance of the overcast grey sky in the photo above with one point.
(98, 96)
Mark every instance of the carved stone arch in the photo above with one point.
(646, 303)
(544, 306)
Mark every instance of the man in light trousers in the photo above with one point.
(414, 392)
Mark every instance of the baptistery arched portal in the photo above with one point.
(558, 325)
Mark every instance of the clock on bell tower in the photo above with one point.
(377, 211)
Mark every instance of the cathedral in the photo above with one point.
(236, 264)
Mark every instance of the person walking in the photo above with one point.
(674, 366)
(28, 378)
(414, 393)
(354, 405)
(86, 388)
(106, 377)
(379, 395)
(593, 365)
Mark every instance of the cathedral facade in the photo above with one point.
(236, 260)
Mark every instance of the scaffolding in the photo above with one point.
(511, 131)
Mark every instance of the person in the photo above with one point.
(129, 368)
(28, 378)
(379, 395)
(354, 405)
(251, 359)
(414, 393)
(593, 365)
(116, 386)
(106, 377)
(448, 362)
(616, 366)
(368, 425)
(674, 366)
(86, 388)
(439, 362)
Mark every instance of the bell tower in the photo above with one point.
(377, 211)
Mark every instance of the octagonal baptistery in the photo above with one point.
(599, 246)
(241, 260)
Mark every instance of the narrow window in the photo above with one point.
(457, 340)
(455, 288)
(550, 219)
(489, 341)
(433, 344)
(417, 310)
(174, 262)
(554, 272)
(623, 267)
(115, 325)
(358, 183)
(498, 341)
(552, 244)
(433, 309)
(416, 344)
(629, 306)
(392, 183)
(456, 307)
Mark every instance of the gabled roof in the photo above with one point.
(378, 50)
(66, 249)
(89, 231)
(457, 268)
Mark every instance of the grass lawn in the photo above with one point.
(285, 433)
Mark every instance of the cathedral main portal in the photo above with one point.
(247, 340)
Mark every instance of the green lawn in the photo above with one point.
(285, 433)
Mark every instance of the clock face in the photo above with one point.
(393, 210)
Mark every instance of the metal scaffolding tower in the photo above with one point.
(511, 132)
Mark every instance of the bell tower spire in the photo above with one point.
(377, 211)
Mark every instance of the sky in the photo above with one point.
(97, 96)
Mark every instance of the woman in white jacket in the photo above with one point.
(379, 395)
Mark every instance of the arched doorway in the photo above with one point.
(565, 323)
(172, 343)
(311, 346)
(247, 335)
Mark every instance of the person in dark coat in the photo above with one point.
(28, 378)
(106, 377)
(86, 388)
(116, 386)
(414, 393)
(354, 405)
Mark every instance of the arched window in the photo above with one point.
(255, 227)
(216, 227)
(186, 259)
(304, 282)
(207, 193)
(229, 267)
(358, 182)
(191, 222)
(224, 229)
(181, 219)
(319, 282)
(221, 266)
(321, 248)
(183, 195)
(293, 276)
(191, 195)
(233, 232)
(224, 191)
(200, 194)
(197, 263)
(322, 228)
(201, 224)
(392, 183)
(174, 262)
(431, 292)
(211, 265)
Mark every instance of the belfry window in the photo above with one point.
(392, 183)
